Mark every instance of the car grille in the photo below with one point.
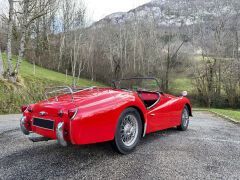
(43, 123)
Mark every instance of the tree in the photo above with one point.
(9, 41)
(1, 64)
(30, 11)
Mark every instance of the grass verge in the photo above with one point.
(230, 114)
(233, 115)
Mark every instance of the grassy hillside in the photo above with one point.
(180, 84)
(31, 85)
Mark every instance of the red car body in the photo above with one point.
(93, 115)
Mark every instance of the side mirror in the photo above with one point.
(184, 93)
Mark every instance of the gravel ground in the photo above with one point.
(209, 149)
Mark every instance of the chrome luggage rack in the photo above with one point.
(66, 89)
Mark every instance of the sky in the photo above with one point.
(98, 9)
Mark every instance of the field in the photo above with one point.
(31, 85)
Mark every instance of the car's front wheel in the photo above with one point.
(128, 131)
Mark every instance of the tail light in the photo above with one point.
(26, 108)
(30, 109)
(60, 113)
(23, 108)
(72, 113)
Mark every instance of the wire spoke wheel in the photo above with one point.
(185, 117)
(129, 130)
(184, 120)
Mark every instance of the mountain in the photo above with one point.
(172, 12)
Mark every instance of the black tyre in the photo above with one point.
(185, 120)
(128, 132)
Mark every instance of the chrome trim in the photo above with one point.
(61, 88)
(22, 125)
(74, 114)
(89, 88)
(42, 113)
(145, 129)
(156, 101)
(43, 127)
(58, 89)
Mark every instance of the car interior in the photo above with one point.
(149, 98)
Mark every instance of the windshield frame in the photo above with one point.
(136, 78)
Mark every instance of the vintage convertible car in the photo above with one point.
(122, 114)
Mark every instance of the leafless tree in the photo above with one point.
(9, 40)
(1, 64)
(30, 10)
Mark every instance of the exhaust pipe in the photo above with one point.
(38, 139)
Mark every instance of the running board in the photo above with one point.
(38, 139)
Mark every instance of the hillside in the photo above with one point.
(171, 12)
(30, 86)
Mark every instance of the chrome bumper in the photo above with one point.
(22, 125)
(60, 134)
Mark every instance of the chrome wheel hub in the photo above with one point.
(129, 130)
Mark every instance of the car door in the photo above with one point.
(161, 115)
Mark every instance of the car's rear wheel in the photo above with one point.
(128, 131)
(184, 120)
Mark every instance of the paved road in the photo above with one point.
(210, 149)
(9, 122)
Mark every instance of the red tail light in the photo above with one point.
(23, 108)
(60, 113)
(72, 113)
(30, 109)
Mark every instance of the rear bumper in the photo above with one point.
(23, 125)
(57, 133)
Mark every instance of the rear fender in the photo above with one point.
(99, 123)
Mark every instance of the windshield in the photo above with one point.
(138, 84)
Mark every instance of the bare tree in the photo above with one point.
(1, 64)
(9, 40)
(30, 11)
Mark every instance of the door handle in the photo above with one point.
(152, 114)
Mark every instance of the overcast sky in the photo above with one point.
(97, 9)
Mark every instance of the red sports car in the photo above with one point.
(122, 114)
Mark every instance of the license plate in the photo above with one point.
(43, 123)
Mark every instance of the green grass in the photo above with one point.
(27, 71)
(31, 86)
(233, 114)
(181, 84)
